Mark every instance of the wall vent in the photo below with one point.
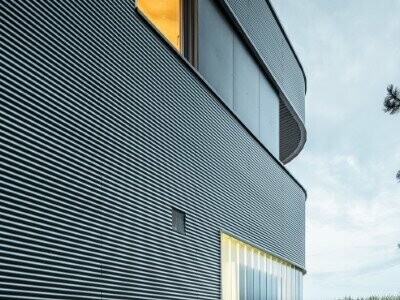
(178, 221)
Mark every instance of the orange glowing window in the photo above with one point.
(166, 17)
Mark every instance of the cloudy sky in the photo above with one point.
(350, 50)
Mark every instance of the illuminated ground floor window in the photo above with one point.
(251, 274)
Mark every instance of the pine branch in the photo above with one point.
(391, 104)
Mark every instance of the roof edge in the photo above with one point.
(288, 41)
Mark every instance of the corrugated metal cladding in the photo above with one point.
(289, 133)
(262, 28)
(103, 131)
(264, 31)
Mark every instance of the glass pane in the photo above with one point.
(256, 284)
(242, 272)
(293, 283)
(248, 273)
(263, 277)
(166, 16)
(284, 282)
(235, 264)
(275, 283)
(269, 278)
(289, 282)
(279, 276)
(301, 288)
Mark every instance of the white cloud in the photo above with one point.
(351, 236)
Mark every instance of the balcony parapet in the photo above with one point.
(263, 32)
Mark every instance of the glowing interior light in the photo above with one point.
(166, 17)
(250, 273)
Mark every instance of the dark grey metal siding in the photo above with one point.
(246, 85)
(216, 49)
(264, 31)
(260, 26)
(269, 116)
(103, 131)
(232, 71)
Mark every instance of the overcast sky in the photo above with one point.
(350, 50)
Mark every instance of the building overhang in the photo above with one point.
(258, 23)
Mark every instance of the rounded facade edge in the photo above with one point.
(300, 124)
(303, 131)
(296, 116)
(271, 6)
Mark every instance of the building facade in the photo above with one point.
(142, 151)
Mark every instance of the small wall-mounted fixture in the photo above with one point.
(178, 221)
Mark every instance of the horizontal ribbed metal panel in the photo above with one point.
(262, 27)
(103, 131)
(263, 31)
(289, 132)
